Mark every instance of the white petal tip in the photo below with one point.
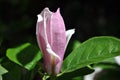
(58, 10)
(70, 32)
(39, 18)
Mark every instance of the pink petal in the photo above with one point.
(58, 37)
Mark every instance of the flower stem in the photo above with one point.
(45, 77)
(52, 77)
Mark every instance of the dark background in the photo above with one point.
(89, 18)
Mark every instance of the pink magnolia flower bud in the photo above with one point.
(52, 39)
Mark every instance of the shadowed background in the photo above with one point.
(89, 18)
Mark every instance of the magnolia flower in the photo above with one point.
(52, 39)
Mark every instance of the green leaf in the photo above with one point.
(91, 51)
(74, 74)
(78, 78)
(71, 46)
(107, 64)
(2, 70)
(14, 71)
(74, 44)
(25, 55)
(0, 77)
(1, 59)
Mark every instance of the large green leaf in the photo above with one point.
(91, 51)
(25, 55)
(0, 77)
